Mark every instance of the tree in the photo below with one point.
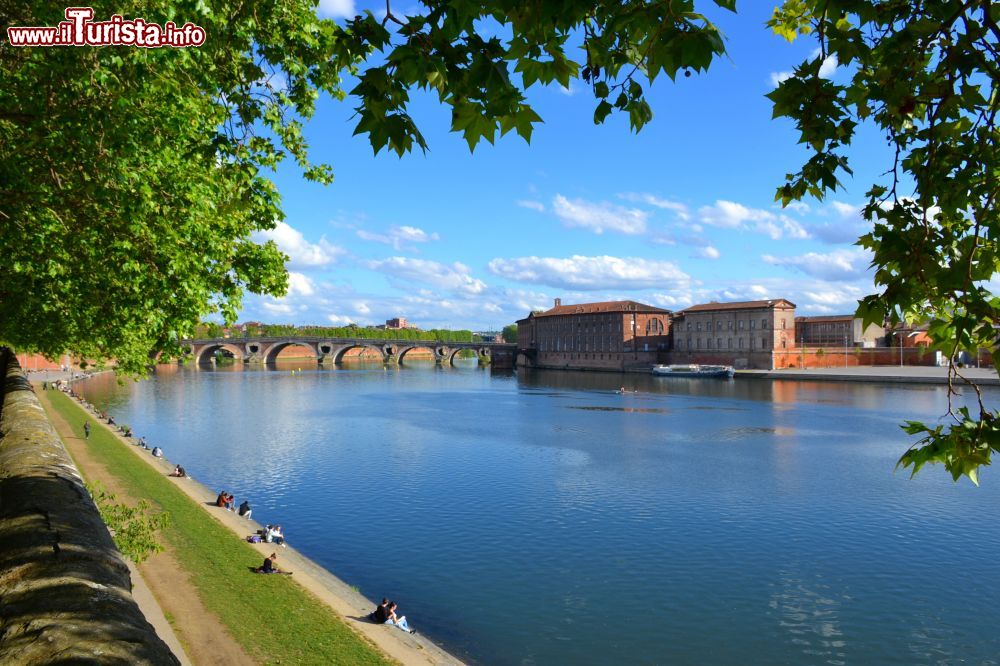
(131, 179)
(510, 333)
(926, 75)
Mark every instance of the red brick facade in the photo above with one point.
(612, 335)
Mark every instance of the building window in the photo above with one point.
(741, 325)
(741, 343)
(782, 324)
(763, 343)
(729, 343)
(763, 323)
(730, 324)
(699, 343)
(718, 343)
(752, 323)
(708, 343)
(689, 343)
(699, 325)
(680, 344)
(689, 326)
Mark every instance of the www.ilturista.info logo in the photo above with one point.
(79, 30)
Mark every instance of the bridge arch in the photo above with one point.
(206, 353)
(338, 351)
(434, 350)
(480, 353)
(270, 354)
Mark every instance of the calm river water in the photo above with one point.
(541, 518)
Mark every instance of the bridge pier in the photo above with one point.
(326, 360)
(484, 360)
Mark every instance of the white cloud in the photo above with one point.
(404, 270)
(398, 237)
(732, 215)
(673, 301)
(278, 308)
(300, 285)
(778, 77)
(599, 217)
(847, 229)
(591, 273)
(338, 320)
(828, 66)
(361, 307)
(850, 264)
(845, 209)
(531, 205)
(708, 252)
(678, 208)
(826, 69)
(337, 8)
(568, 91)
(301, 253)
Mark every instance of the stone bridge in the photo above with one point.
(329, 351)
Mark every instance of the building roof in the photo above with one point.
(737, 305)
(604, 306)
(821, 318)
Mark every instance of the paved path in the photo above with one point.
(907, 374)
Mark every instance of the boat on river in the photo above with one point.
(694, 370)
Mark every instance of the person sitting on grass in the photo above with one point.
(179, 472)
(221, 499)
(270, 567)
(398, 621)
(245, 510)
(157, 452)
(230, 502)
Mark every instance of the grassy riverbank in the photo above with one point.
(272, 617)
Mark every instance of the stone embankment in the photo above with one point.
(65, 591)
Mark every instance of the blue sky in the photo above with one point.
(681, 213)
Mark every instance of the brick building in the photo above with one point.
(742, 334)
(837, 331)
(596, 336)
(397, 323)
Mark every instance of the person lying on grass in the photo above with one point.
(269, 567)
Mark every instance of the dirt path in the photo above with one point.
(203, 636)
(347, 602)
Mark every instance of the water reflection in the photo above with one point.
(741, 517)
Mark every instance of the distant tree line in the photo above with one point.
(212, 330)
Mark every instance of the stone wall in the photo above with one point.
(65, 592)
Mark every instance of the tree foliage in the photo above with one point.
(926, 75)
(132, 179)
(134, 529)
(510, 333)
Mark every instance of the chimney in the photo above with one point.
(558, 302)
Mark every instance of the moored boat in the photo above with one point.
(694, 370)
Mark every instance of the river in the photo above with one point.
(542, 518)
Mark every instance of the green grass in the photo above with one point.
(272, 617)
